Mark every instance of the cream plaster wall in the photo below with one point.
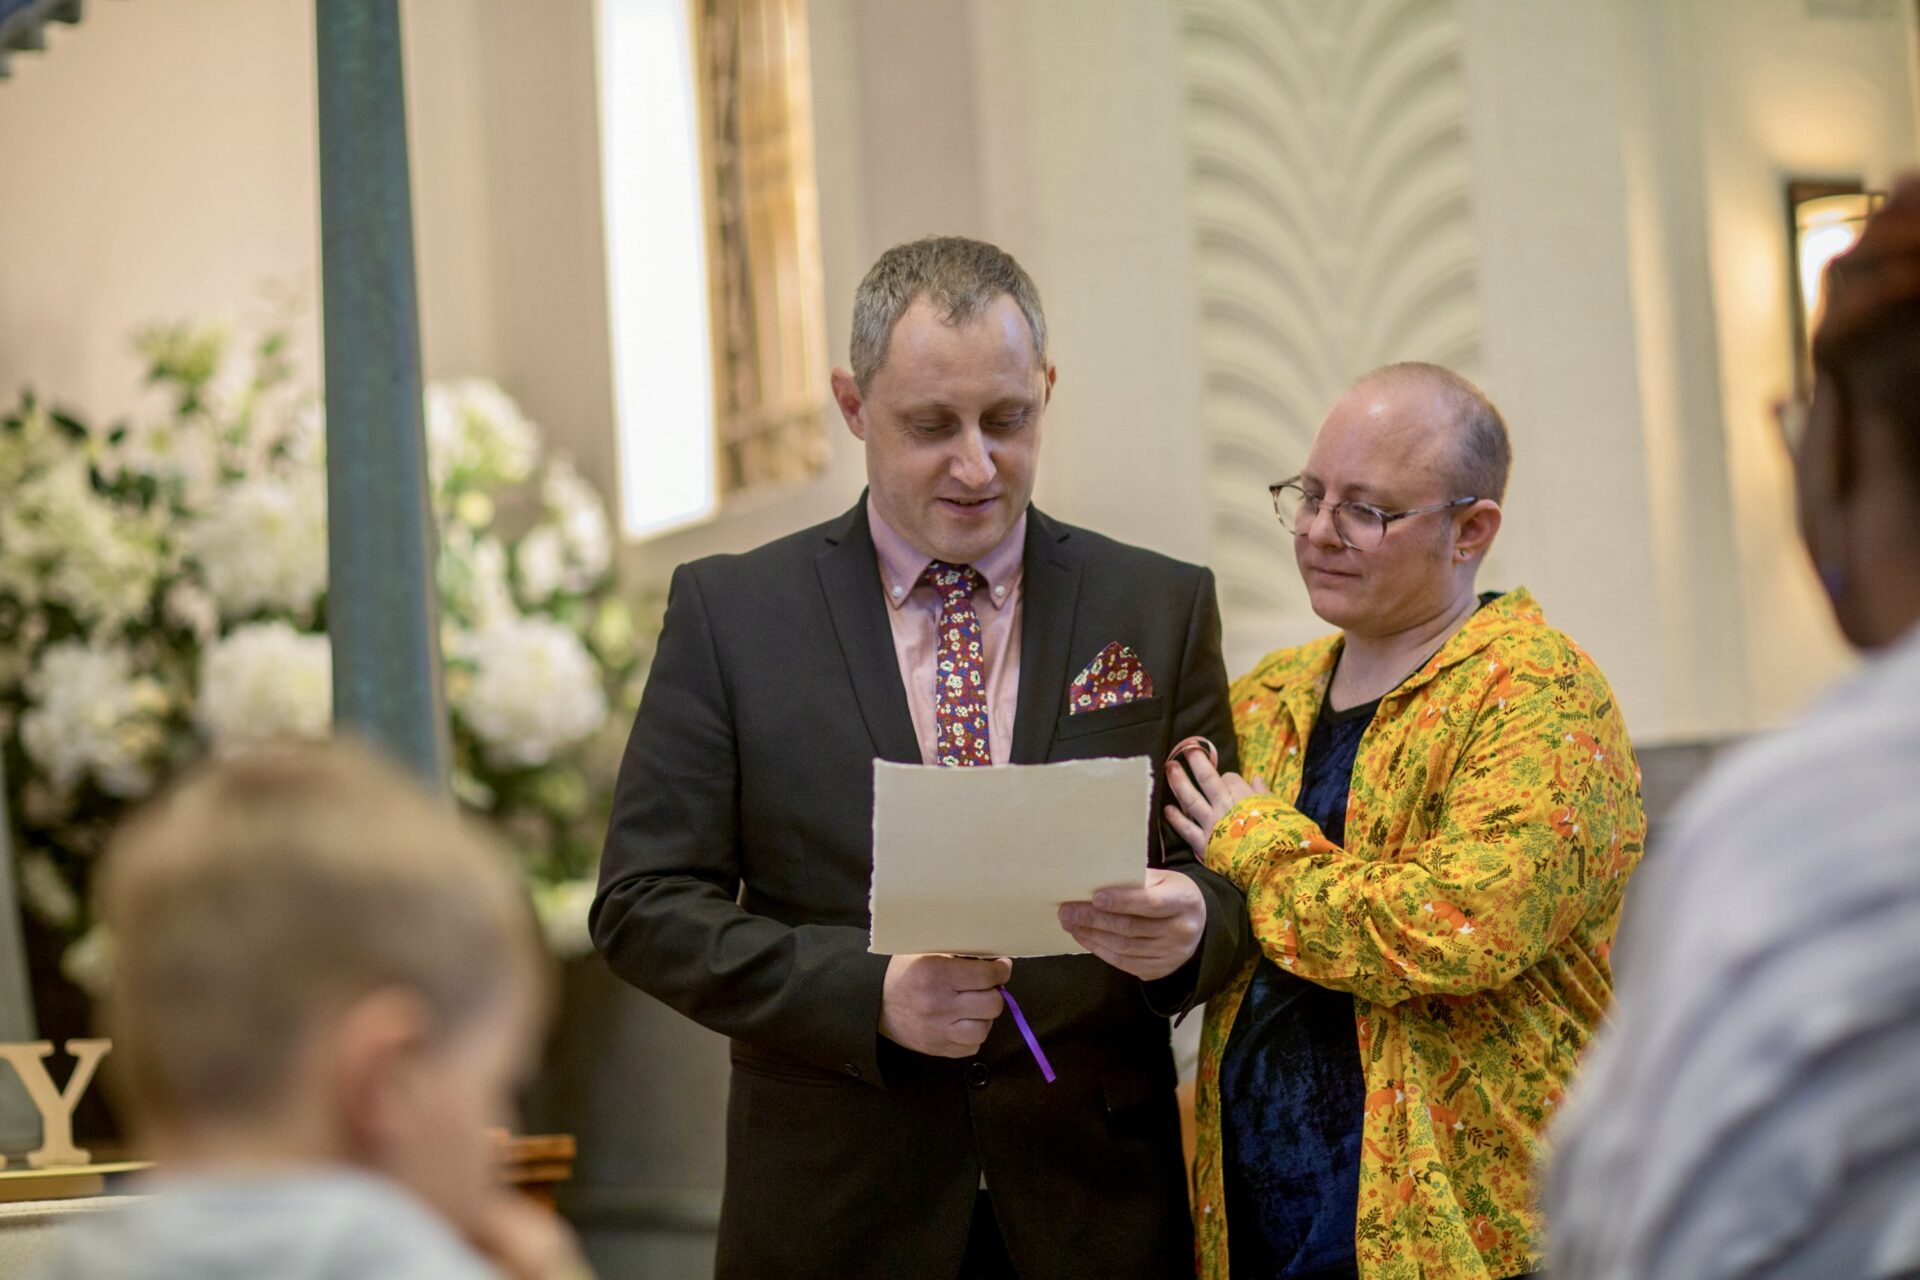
(1053, 130)
(160, 162)
(1331, 188)
(1800, 89)
(156, 162)
(1630, 160)
(1589, 222)
(1580, 205)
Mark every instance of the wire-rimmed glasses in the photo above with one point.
(1360, 525)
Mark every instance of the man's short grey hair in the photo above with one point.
(1484, 452)
(961, 278)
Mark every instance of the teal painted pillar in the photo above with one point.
(19, 1121)
(381, 605)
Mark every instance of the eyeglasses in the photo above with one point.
(1360, 525)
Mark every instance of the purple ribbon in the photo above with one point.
(1026, 1032)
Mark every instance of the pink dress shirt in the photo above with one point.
(914, 612)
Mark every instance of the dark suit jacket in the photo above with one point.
(734, 888)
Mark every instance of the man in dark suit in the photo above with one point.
(884, 1118)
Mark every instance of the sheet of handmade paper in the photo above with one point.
(977, 861)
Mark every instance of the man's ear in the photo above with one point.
(846, 394)
(1474, 533)
(371, 1047)
(1053, 373)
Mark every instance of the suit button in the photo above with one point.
(850, 1069)
(977, 1074)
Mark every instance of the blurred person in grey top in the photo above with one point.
(1753, 1111)
(324, 991)
(328, 1225)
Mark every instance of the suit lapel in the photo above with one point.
(1050, 590)
(850, 577)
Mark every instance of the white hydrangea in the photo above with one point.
(562, 909)
(472, 570)
(575, 505)
(477, 433)
(265, 681)
(60, 541)
(533, 692)
(573, 548)
(92, 715)
(265, 546)
(541, 559)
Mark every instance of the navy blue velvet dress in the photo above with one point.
(1292, 1090)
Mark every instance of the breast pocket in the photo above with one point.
(1132, 728)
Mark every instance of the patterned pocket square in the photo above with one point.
(1113, 678)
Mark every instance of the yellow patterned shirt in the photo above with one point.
(1493, 818)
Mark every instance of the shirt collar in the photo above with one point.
(901, 565)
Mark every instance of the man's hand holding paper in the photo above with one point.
(1147, 930)
(943, 1006)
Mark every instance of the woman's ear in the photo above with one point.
(1474, 532)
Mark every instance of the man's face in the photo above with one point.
(951, 424)
(1382, 446)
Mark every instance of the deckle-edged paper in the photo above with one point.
(977, 861)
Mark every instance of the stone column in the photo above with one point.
(381, 603)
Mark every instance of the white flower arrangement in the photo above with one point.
(264, 681)
(263, 549)
(477, 438)
(163, 594)
(532, 692)
(89, 717)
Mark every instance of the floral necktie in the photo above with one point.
(960, 712)
(960, 671)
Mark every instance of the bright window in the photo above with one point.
(657, 277)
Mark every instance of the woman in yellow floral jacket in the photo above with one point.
(1492, 816)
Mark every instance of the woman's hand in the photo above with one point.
(1204, 798)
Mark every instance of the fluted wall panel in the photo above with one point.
(1332, 195)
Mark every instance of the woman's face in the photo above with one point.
(1380, 445)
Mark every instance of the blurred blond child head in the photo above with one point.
(316, 961)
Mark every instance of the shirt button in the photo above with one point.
(1000, 592)
(898, 591)
(977, 1074)
(850, 1069)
